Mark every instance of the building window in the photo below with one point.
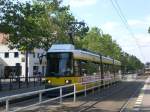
(23, 59)
(6, 55)
(16, 54)
(35, 70)
(33, 55)
(38, 55)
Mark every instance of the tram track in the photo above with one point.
(106, 93)
(88, 105)
(124, 106)
(100, 99)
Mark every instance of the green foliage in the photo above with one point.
(44, 22)
(16, 21)
(34, 25)
(130, 63)
(149, 30)
(96, 41)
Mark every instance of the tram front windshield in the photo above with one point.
(59, 64)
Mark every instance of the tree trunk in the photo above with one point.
(26, 66)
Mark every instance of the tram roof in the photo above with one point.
(81, 54)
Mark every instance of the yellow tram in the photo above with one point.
(67, 65)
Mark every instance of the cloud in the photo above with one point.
(115, 29)
(136, 45)
(143, 40)
(81, 3)
(138, 23)
(110, 25)
(143, 23)
(148, 18)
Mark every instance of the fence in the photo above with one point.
(96, 84)
(19, 82)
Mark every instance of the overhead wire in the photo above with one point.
(127, 26)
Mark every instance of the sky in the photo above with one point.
(102, 14)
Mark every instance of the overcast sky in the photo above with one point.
(102, 14)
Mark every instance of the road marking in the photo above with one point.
(136, 109)
(139, 100)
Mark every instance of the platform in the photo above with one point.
(142, 103)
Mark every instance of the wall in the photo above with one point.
(11, 61)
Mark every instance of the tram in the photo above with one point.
(147, 71)
(67, 65)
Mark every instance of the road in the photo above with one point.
(120, 97)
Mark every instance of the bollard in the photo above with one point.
(27, 82)
(10, 84)
(40, 80)
(0, 84)
(60, 96)
(40, 97)
(104, 84)
(99, 86)
(108, 83)
(93, 88)
(34, 81)
(7, 105)
(74, 98)
(85, 90)
(19, 82)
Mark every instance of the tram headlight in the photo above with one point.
(49, 81)
(68, 81)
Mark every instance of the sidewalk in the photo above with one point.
(143, 101)
(145, 107)
(19, 91)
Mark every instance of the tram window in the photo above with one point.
(116, 69)
(111, 69)
(90, 68)
(83, 68)
(86, 68)
(93, 68)
(59, 64)
(6, 55)
(76, 68)
(105, 68)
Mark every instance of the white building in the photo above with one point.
(1, 68)
(10, 58)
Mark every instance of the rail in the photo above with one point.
(96, 84)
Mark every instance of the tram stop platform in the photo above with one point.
(142, 103)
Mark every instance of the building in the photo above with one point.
(1, 68)
(10, 58)
(147, 68)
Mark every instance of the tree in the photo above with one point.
(130, 63)
(33, 25)
(53, 23)
(149, 30)
(101, 43)
(96, 41)
(17, 20)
